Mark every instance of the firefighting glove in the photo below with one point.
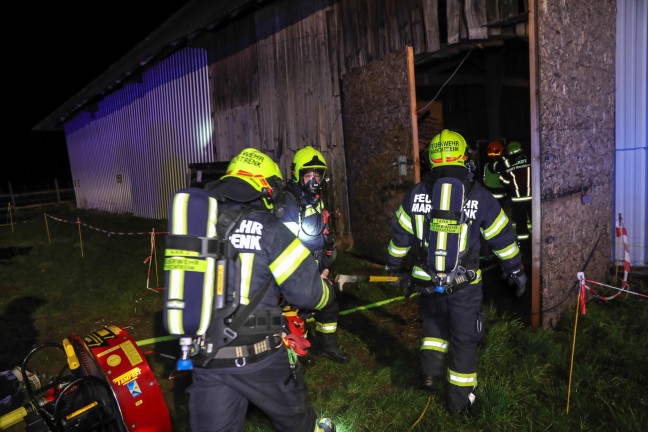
(519, 278)
(404, 279)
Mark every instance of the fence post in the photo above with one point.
(58, 193)
(11, 194)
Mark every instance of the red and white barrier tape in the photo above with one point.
(109, 233)
(622, 232)
(582, 296)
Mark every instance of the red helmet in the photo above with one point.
(495, 149)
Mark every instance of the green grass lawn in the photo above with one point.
(68, 272)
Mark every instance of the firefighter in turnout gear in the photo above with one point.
(272, 263)
(305, 214)
(491, 177)
(515, 174)
(438, 227)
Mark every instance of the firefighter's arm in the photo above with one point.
(400, 242)
(295, 271)
(500, 235)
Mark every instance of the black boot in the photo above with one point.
(326, 345)
(426, 383)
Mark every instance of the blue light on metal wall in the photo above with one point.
(631, 179)
(131, 151)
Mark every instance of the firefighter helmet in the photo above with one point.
(495, 149)
(253, 174)
(514, 147)
(448, 148)
(308, 160)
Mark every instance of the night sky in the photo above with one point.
(54, 50)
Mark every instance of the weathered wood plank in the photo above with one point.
(476, 19)
(431, 23)
(417, 25)
(453, 17)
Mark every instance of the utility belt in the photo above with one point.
(444, 284)
(257, 337)
(239, 355)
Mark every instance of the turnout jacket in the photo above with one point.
(268, 251)
(485, 217)
(515, 174)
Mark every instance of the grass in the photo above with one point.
(50, 291)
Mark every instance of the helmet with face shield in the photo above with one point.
(309, 169)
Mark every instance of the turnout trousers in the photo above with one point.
(326, 321)
(218, 398)
(452, 328)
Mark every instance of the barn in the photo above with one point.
(368, 83)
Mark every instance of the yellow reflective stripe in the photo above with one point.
(463, 238)
(175, 292)
(310, 209)
(461, 379)
(174, 321)
(442, 237)
(404, 220)
(497, 226)
(288, 261)
(247, 261)
(292, 226)
(179, 223)
(478, 278)
(326, 295)
(508, 252)
(208, 296)
(396, 251)
(421, 274)
(419, 219)
(325, 327)
(446, 191)
(213, 218)
(434, 344)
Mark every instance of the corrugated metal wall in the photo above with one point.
(133, 152)
(631, 196)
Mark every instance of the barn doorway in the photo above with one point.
(482, 93)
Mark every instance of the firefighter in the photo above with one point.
(491, 177)
(515, 174)
(305, 214)
(450, 305)
(255, 367)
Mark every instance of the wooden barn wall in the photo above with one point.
(276, 74)
(377, 130)
(370, 30)
(279, 90)
(576, 43)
